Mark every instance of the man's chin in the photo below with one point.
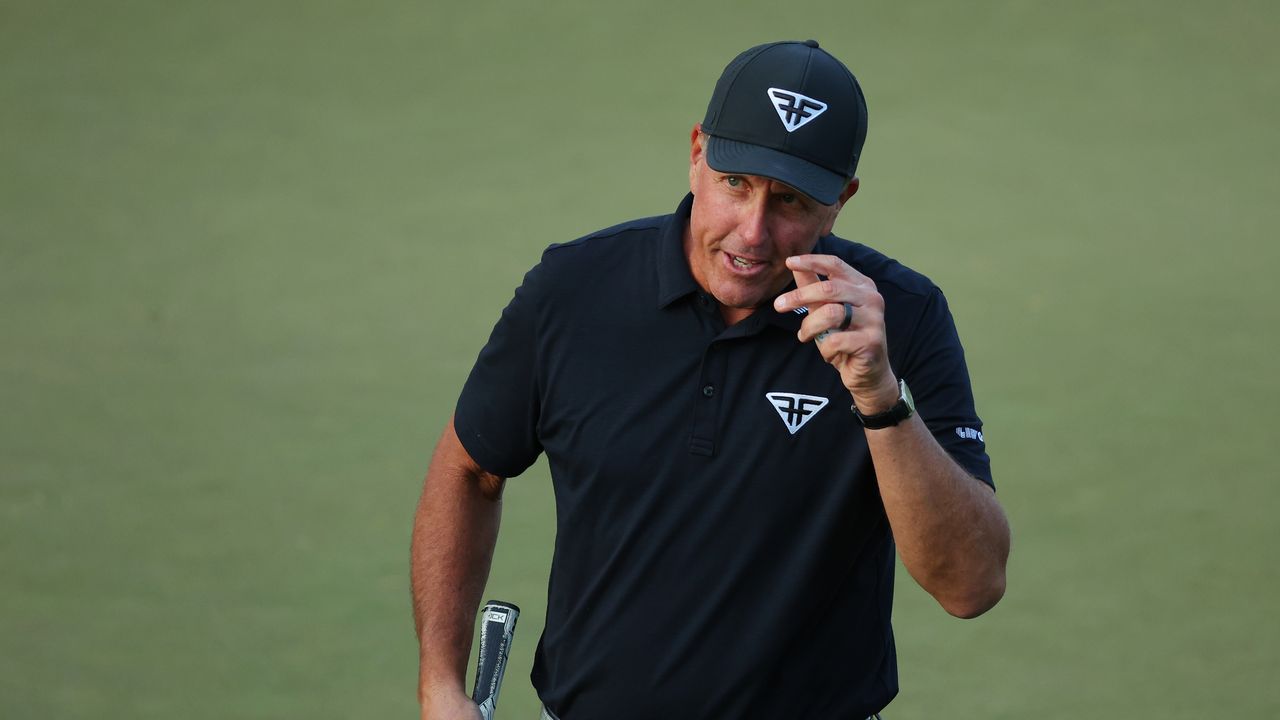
(741, 302)
(742, 298)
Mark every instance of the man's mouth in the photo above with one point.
(741, 262)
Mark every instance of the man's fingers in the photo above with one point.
(804, 278)
(831, 290)
(810, 292)
(829, 265)
(842, 283)
(826, 317)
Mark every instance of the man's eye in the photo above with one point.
(733, 180)
(787, 198)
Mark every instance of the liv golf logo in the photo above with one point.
(795, 409)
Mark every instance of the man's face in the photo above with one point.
(743, 228)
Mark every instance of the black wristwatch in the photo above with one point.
(905, 408)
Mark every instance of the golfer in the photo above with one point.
(745, 418)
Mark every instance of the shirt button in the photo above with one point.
(709, 390)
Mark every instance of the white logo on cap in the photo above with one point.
(794, 109)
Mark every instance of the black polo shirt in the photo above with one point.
(721, 549)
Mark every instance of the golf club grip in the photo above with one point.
(497, 628)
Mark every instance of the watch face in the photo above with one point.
(905, 408)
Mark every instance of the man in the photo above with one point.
(722, 397)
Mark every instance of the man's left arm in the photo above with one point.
(950, 530)
(951, 533)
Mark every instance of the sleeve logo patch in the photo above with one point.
(968, 433)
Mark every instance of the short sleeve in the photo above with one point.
(935, 370)
(497, 413)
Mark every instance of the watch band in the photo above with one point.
(903, 409)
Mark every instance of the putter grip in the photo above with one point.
(497, 627)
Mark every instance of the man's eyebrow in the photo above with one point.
(778, 187)
(788, 190)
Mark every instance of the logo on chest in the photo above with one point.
(795, 409)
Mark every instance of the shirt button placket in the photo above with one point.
(706, 414)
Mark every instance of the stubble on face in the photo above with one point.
(741, 231)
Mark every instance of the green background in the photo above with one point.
(249, 250)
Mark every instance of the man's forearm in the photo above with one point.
(454, 533)
(951, 533)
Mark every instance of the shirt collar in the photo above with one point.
(674, 278)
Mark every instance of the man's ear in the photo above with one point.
(848, 192)
(695, 151)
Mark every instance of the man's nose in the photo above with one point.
(752, 224)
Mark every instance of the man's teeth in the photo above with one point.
(740, 262)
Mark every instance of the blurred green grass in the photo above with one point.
(248, 252)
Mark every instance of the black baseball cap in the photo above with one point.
(788, 111)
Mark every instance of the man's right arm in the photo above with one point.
(454, 533)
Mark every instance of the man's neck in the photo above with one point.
(732, 315)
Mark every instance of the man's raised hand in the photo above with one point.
(855, 346)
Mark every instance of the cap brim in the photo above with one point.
(731, 156)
